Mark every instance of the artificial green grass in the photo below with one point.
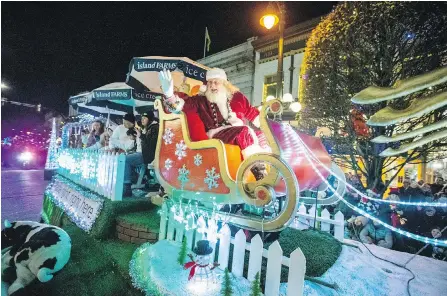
(321, 249)
(149, 219)
(105, 224)
(95, 268)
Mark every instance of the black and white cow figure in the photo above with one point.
(36, 251)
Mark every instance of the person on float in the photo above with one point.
(149, 137)
(122, 142)
(95, 134)
(223, 110)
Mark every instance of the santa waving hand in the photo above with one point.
(223, 111)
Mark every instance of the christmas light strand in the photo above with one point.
(420, 238)
(421, 204)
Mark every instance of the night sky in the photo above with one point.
(51, 50)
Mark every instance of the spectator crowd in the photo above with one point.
(426, 221)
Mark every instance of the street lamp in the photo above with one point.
(4, 85)
(295, 107)
(269, 20)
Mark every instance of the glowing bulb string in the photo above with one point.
(422, 204)
(400, 231)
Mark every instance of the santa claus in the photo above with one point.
(224, 111)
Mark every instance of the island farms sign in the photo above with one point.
(81, 209)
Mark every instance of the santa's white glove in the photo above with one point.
(167, 84)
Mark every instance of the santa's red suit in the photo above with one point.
(224, 120)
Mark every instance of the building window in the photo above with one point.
(269, 87)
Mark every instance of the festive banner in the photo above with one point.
(81, 205)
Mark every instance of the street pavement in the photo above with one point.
(22, 194)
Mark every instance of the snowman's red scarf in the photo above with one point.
(193, 265)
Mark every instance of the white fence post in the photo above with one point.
(179, 232)
(339, 227)
(224, 247)
(163, 220)
(302, 221)
(255, 260)
(200, 223)
(297, 271)
(273, 275)
(189, 234)
(325, 226)
(211, 235)
(171, 226)
(239, 253)
(312, 211)
(109, 173)
(119, 179)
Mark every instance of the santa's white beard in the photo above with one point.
(220, 99)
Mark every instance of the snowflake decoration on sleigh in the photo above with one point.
(211, 178)
(168, 135)
(198, 159)
(168, 164)
(180, 149)
(183, 175)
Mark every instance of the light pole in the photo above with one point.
(269, 20)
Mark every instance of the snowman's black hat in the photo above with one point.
(203, 248)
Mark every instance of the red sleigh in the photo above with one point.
(209, 171)
(191, 167)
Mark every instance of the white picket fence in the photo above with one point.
(172, 230)
(94, 169)
(305, 219)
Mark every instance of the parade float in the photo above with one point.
(202, 179)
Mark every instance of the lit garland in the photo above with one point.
(53, 194)
(423, 239)
(51, 162)
(189, 214)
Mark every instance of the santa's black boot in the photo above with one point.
(259, 171)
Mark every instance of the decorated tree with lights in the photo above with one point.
(51, 162)
(362, 44)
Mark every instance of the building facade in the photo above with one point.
(239, 64)
(266, 62)
(252, 66)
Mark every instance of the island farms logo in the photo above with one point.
(191, 71)
(154, 65)
(112, 95)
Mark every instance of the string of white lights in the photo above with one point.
(421, 204)
(420, 238)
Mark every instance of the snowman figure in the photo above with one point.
(201, 269)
